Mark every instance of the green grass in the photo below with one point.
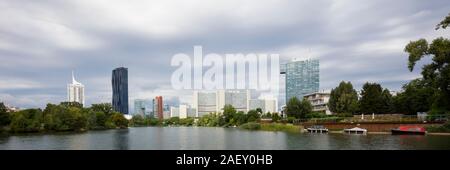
(271, 127)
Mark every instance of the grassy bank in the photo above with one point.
(271, 127)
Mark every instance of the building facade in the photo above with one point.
(75, 91)
(237, 98)
(266, 105)
(120, 90)
(205, 103)
(159, 107)
(319, 101)
(302, 77)
(140, 107)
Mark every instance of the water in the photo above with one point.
(197, 138)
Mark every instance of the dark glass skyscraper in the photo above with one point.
(120, 90)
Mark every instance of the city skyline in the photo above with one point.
(46, 45)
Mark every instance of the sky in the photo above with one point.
(41, 42)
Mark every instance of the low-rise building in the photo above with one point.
(319, 101)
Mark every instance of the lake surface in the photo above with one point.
(200, 138)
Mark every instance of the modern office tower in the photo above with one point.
(75, 91)
(319, 101)
(185, 111)
(205, 103)
(140, 107)
(166, 111)
(237, 98)
(159, 112)
(302, 77)
(120, 90)
(266, 105)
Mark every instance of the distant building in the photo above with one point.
(166, 112)
(120, 90)
(302, 77)
(75, 91)
(266, 105)
(210, 102)
(159, 107)
(319, 101)
(185, 111)
(174, 112)
(237, 98)
(140, 107)
(205, 103)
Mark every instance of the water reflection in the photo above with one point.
(120, 139)
(199, 138)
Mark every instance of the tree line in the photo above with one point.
(66, 116)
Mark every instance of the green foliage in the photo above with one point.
(436, 73)
(105, 108)
(209, 120)
(444, 24)
(281, 127)
(251, 126)
(173, 121)
(316, 115)
(187, 121)
(137, 120)
(375, 100)
(5, 118)
(117, 120)
(417, 96)
(26, 120)
(297, 108)
(343, 99)
(252, 116)
(275, 117)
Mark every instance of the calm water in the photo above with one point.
(194, 138)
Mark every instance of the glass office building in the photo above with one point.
(120, 90)
(302, 77)
(140, 107)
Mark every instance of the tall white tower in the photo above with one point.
(75, 91)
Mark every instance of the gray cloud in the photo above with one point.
(41, 42)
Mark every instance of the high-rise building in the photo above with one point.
(75, 91)
(237, 98)
(120, 90)
(302, 77)
(214, 102)
(140, 107)
(205, 103)
(159, 107)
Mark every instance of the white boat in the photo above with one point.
(317, 129)
(356, 130)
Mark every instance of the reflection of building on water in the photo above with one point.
(121, 139)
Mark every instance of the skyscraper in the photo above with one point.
(75, 91)
(302, 77)
(120, 90)
(159, 107)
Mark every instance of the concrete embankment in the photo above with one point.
(378, 127)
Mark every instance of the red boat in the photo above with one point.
(408, 130)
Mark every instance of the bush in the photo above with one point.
(251, 126)
(281, 127)
(26, 121)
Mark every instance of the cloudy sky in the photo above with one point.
(42, 41)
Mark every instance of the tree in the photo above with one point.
(298, 108)
(343, 99)
(118, 120)
(374, 99)
(103, 107)
(28, 120)
(4, 116)
(436, 73)
(252, 116)
(417, 96)
(228, 112)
